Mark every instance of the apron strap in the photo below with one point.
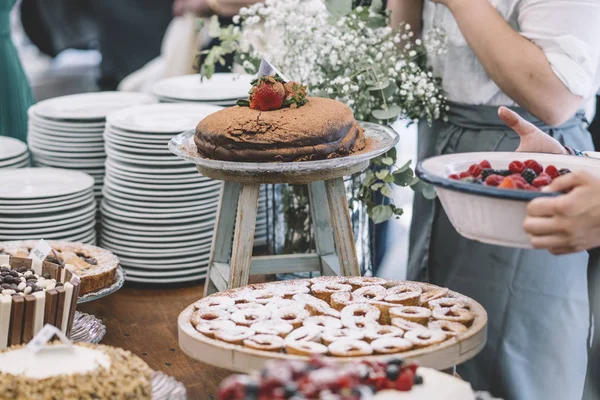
(482, 117)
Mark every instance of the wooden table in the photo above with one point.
(144, 321)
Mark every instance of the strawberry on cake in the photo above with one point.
(279, 123)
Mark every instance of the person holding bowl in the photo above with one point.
(541, 58)
(566, 224)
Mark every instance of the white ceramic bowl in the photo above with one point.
(488, 214)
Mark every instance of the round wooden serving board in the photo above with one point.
(242, 359)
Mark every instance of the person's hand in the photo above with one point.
(533, 140)
(568, 223)
(196, 7)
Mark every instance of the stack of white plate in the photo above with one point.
(158, 212)
(47, 203)
(222, 89)
(66, 132)
(13, 153)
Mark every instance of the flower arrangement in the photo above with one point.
(348, 53)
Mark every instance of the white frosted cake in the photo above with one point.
(436, 386)
(82, 371)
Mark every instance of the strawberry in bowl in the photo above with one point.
(485, 195)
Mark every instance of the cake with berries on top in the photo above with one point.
(279, 123)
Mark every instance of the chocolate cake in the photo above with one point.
(318, 129)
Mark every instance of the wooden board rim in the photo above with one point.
(239, 358)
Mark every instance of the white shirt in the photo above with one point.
(568, 31)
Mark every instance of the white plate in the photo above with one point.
(39, 231)
(68, 128)
(223, 86)
(44, 200)
(175, 273)
(68, 145)
(43, 207)
(131, 149)
(224, 103)
(115, 198)
(19, 160)
(137, 137)
(151, 210)
(143, 173)
(203, 198)
(151, 241)
(64, 153)
(107, 210)
(151, 229)
(184, 170)
(29, 183)
(190, 278)
(78, 134)
(89, 106)
(73, 163)
(87, 238)
(53, 235)
(24, 164)
(139, 144)
(158, 179)
(153, 160)
(11, 148)
(53, 216)
(141, 213)
(38, 224)
(132, 251)
(159, 118)
(159, 264)
(162, 185)
(201, 192)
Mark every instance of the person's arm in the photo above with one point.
(408, 12)
(524, 71)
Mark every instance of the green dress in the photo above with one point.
(15, 92)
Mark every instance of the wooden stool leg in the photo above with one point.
(243, 239)
(324, 243)
(222, 238)
(342, 226)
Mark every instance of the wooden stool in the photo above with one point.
(231, 262)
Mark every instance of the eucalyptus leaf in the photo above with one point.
(214, 27)
(389, 179)
(387, 161)
(379, 86)
(392, 111)
(382, 174)
(377, 6)
(392, 153)
(381, 213)
(398, 211)
(369, 178)
(404, 178)
(376, 186)
(376, 21)
(387, 191)
(339, 8)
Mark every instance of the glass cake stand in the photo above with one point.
(87, 328)
(379, 138)
(119, 282)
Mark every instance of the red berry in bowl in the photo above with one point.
(518, 178)
(405, 381)
(552, 171)
(516, 167)
(475, 170)
(507, 183)
(494, 180)
(464, 175)
(485, 164)
(534, 165)
(542, 180)
(454, 177)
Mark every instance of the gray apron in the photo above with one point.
(592, 381)
(537, 303)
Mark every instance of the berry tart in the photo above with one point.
(522, 175)
(79, 371)
(362, 380)
(279, 123)
(96, 267)
(342, 319)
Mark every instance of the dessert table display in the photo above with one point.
(158, 213)
(494, 214)
(52, 203)
(344, 319)
(13, 153)
(67, 132)
(223, 89)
